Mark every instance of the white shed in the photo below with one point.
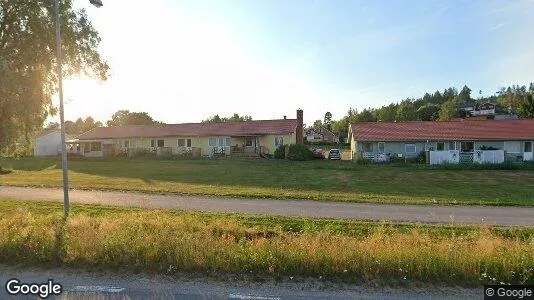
(48, 144)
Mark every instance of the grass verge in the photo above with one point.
(278, 179)
(173, 241)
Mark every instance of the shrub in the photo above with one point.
(299, 152)
(280, 152)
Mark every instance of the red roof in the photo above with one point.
(463, 130)
(249, 128)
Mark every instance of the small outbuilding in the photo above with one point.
(48, 143)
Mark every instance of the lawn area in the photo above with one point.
(316, 180)
(168, 242)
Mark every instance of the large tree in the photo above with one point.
(28, 65)
(328, 120)
(406, 111)
(527, 107)
(125, 117)
(428, 112)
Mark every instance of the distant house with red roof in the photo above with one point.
(250, 138)
(408, 139)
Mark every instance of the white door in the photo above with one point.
(527, 153)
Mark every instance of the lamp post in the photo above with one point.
(66, 201)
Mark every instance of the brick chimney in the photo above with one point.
(300, 123)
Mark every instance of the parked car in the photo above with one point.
(318, 153)
(334, 154)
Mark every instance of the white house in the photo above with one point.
(48, 144)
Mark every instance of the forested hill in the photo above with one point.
(441, 106)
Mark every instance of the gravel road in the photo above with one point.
(506, 216)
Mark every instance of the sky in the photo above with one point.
(183, 61)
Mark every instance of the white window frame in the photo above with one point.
(278, 141)
(510, 142)
(383, 147)
(443, 148)
(525, 146)
(157, 142)
(368, 143)
(188, 143)
(183, 142)
(214, 140)
(406, 148)
(153, 143)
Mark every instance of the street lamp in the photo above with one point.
(66, 202)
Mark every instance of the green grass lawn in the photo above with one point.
(169, 242)
(316, 180)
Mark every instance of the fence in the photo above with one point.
(376, 157)
(477, 157)
(442, 157)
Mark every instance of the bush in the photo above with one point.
(280, 152)
(299, 152)
(295, 152)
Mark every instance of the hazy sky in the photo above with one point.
(182, 61)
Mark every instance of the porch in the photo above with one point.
(245, 146)
(89, 148)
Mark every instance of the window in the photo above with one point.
(467, 146)
(381, 147)
(96, 146)
(367, 147)
(248, 142)
(221, 142)
(512, 147)
(126, 144)
(161, 143)
(188, 142)
(528, 147)
(452, 146)
(410, 148)
(213, 142)
(152, 143)
(181, 142)
(440, 146)
(228, 142)
(278, 141)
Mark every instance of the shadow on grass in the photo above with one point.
(319, 177)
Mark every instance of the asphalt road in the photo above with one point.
(506, 216)
(78, 284)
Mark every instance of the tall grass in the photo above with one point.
(170, 242)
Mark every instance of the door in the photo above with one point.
(527, 153)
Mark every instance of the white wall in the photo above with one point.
(444, 157)
(48, 145)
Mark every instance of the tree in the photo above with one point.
(406, 111)
(28, 62)
(125, 117)
(465, 95)
(328, 120)
(317, 124)
(428, 112)
(449, 109)
(527, 107)
(52, 126)
(365, 116)
(234, 118)
(81, 125)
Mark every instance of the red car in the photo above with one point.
(318, 153)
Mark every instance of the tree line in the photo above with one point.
(437, 106)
